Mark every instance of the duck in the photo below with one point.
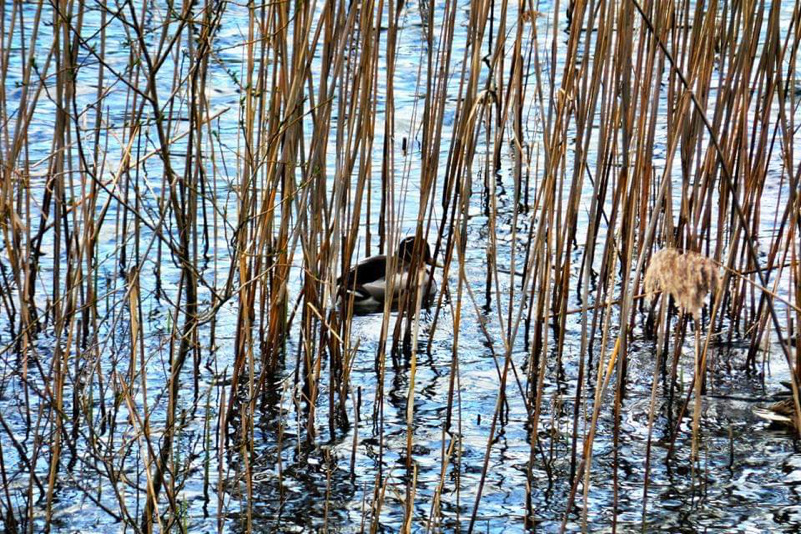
(367, 285)
(781, 413)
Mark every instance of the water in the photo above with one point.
(749, 474)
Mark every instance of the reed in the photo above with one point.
(182, 185)
(688, 277)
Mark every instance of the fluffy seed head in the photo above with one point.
(687, 277)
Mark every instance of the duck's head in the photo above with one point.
(406, 250)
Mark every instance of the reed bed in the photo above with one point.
(183, 184)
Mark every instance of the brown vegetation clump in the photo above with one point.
(687, 277)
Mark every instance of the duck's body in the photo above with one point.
(780, 413)
(366, 283)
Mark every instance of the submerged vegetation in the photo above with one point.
(183, 186)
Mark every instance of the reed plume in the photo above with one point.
(688, 277)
